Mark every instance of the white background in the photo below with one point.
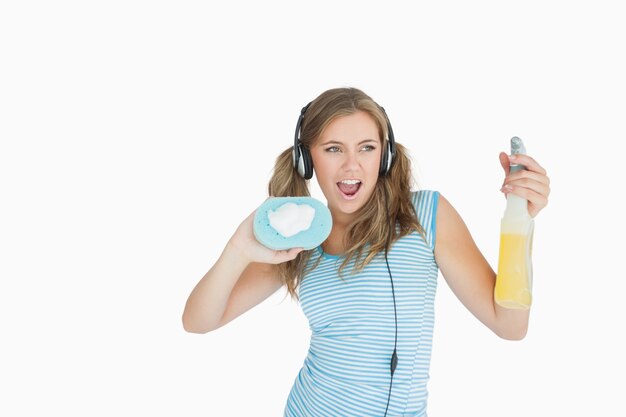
(136, 136)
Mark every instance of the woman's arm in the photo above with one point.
(470, 277)
(243, 276)
(464, 267)
(207, 302)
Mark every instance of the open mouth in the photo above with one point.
(349, 188)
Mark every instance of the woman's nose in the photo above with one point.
(351, 161)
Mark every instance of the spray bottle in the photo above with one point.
(514, 280)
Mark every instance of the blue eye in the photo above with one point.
(335, 149)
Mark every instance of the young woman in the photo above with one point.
(368, 290)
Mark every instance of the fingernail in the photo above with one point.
(506, 188)
(512, 157)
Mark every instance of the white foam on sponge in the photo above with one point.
(291, 219)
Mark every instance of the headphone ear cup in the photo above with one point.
(384, 161)
(305, 166)
(308, 164)
(295, 157)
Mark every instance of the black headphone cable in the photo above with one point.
(394, 356)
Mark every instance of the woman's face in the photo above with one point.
(346, 160)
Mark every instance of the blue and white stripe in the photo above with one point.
(346, 372)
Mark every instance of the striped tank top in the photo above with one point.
(346, 371)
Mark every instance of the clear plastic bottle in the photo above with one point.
(515, 275)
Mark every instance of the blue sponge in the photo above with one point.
(308, 239)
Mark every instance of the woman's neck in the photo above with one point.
(334, 244)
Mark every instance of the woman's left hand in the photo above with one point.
(531, 183)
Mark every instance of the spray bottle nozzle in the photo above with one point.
(517, 146)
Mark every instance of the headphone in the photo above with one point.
(303, 163)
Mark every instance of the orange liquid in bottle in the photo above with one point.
(513, 282)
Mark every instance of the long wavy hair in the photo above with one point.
(372, 230)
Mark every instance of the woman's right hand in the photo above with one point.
(246, 244)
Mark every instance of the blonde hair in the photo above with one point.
(371, 227)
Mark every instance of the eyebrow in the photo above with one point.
(341, 143)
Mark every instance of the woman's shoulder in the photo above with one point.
(426, 192)
(424, 198)
(425, 203)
